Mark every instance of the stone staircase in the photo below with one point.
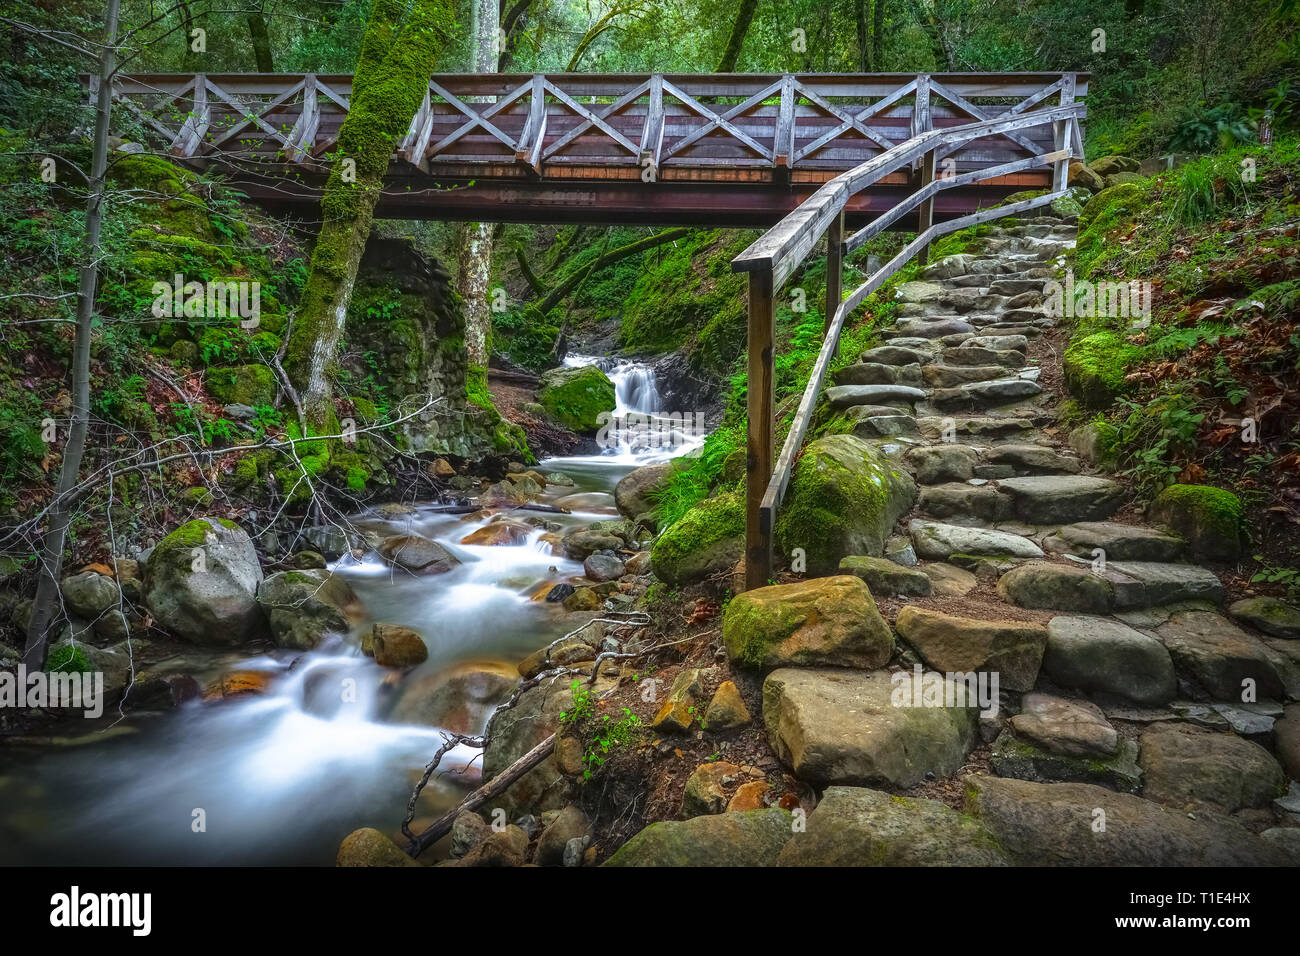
(1120, 672)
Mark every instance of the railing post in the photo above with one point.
(760, 430)
(925, 212)
(834, 266)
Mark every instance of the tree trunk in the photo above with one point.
(737, 39)
(864, 42)
(56, 535)
(261, 42)
(474, 266)
(397, 56)
(878, 35)
(609, 258)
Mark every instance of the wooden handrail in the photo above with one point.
(776, 255)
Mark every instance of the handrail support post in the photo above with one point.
(760, 429)
(925, 212)
(834, 267)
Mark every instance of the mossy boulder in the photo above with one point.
(726, 839)
(709, 538)
(303, 606)
(1096, 443)
(1210, 519)
(844, 499)
(1094, 367)
(201, 583)
(825, 622)
(1110, 165)
(576, 396)
(250, 385)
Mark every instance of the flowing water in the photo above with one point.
(282, 777)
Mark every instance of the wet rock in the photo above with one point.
(843, 727)
(499, 533)
(1012, 649)
(634, 495)
(202, 584)
(572, 651)
(1185, 765)
(468, 830)
(397, 646)
(582, 599)
(369, 847)
(852, 826)
(820, 622)
(460, 700)
(725, 839)
(303, 606)
(603, 567)
(417, 554)
(1098, 654)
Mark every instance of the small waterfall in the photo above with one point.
(635, 388)
(645, 431)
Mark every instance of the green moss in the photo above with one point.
(709, 534)
(576, 397)
(1104, 215)
(68, 659)
(250, 385)
(1094, 368)
(191, 535)
(1211, 519)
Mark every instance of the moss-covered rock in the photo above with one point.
(305, 605)
(726, 839)
(825, 622)
(250, 385)
(1094, 367)
(1210, 519)
(576, 396)
(707, 539)
(1097, 443)
(844, 499)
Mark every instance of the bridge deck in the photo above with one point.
(711, 149)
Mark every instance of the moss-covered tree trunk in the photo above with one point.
(397, 57)
(474, 265)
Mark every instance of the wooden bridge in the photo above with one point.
(711, 149)
(821, 154)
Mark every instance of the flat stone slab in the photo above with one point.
(1119, 542)
(1071, 728)
(979, 502)
(1012, 649)
(1148, 583)
(898, 355)
(877, 373)
(1052, 499)
(1032, 458)
(854, 826)
(931, 329)
(1220, 656)
(843, 727)
(997, 342)
(1014, 756)
(1099, 654)
(984, 394)
(1051, 824)
(985, 428)
(939, 542)
(886, 577)
(1188, 766)
(843, 396)
(936, 464)
(1056, 587)
(967, 354)
(1268, 615)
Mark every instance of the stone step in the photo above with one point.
(1062, 499)
(1007, 287)
(948, 376)
(936, 541)
(976, 427)
(1118, 542)
(939, 464)
(981, 395)
(998, 342)
(899, 355)
(844, 396)
(1123, 585)
(876, 373)
(1032, 459)
(964, 502)
(967, 354)
(920, 328)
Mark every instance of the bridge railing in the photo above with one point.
(731, 127)
(775, 256)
